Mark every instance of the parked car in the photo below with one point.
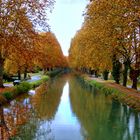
(16, 82)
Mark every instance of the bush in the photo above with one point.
(38, 82)
(35, 84)
(8, 95)
(44, 78)
(24, 87)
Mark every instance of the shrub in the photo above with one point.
(38, 82)
(44, 78)
(35, 83)
(22, 88)
(8, 95)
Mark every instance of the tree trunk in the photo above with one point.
(91, 72)
(134, 75)
(1, 71)
(135, 81)
(125, 73)
(25, 73)
(96, 73)
(134, 72)
(116, 70)
(105, 74)
(19, 75)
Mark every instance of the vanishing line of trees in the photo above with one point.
(25, 38)
(109, 40)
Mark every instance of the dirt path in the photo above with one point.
(121, 88)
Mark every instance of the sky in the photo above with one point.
(65, 19)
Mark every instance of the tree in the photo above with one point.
(17, 20)
(116, 70)
(51, 55)
(110, 28)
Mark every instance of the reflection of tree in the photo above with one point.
(92, 111)
(116, 125)
(100, 117)
(23, 120)
(125, 121)
(15, 116)
(45, 131)
(46, 100)
(4, 131)
(27, 131)
(30, 129)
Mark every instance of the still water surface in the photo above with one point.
(67, 110)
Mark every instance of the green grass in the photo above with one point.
(44, 78)
(8, 95)
(23, 87)
(125, 98)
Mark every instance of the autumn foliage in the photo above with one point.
(111, 28)
(50, 53)
(22, 43)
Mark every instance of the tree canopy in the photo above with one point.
(25, 37)
(111, 28)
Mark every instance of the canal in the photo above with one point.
(68, 110)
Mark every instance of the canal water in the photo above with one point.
(68, 110)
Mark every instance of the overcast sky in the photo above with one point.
(66, 19)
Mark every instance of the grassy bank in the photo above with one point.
(39, 82)
(124, 95)
(10, 93)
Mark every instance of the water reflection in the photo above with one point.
(65, 124)
(68, 111)
(4, 130)
(26, 115)
(47, 99)
(13, 117)
(101, 118)
(44, 103)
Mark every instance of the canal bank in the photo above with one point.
(126, 96)
(11, 93)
